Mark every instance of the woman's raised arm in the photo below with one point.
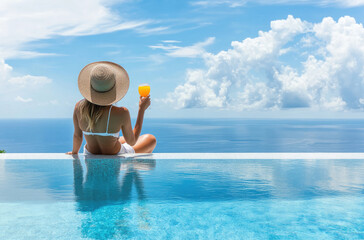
(131, 136)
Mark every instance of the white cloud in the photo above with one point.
(147, 31)
(193, 51)
(13, 87)
(252, 75)
(230, 3)
(25, 21)
(20, 54)
(29, 80)
(5, 70)
(24, 100)
(164, 47)
(171, 41)
(239, 3)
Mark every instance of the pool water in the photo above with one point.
(181, 199)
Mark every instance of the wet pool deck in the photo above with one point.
(190, 156)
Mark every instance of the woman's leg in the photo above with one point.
(145, 144)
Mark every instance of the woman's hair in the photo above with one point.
(91, 112)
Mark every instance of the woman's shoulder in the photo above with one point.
(77, 106)
(120, 110)
(121, 113)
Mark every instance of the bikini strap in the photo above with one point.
(108, 119)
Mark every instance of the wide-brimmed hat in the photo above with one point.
(103, 83)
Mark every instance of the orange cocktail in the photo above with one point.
(144, 90)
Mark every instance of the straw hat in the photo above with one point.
(103, 83)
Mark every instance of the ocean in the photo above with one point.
(199, 135)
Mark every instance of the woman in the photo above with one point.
(103, 84)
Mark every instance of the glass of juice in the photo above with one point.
(144, 90)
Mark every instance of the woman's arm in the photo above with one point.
(131, 136)
(77, 134)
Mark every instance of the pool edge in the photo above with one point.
(321, 155)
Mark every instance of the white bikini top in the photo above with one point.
(107, 129)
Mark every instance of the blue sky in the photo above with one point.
(217, 58)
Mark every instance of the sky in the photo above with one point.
(202, 59)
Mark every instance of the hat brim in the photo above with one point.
(104, 98)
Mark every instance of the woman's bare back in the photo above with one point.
(104, 144)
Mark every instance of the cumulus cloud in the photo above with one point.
(24, 100)
(239, 3)
(253, 75)
(13, 84)
(5, 70)
(193, 51)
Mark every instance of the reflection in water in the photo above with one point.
(184, 198)
(102, 187)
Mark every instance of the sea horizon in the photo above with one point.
(200, 135)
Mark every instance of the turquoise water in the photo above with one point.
(181, 199)
(199, 135)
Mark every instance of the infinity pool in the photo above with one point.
(128, 198)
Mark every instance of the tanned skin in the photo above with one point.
(119, 119)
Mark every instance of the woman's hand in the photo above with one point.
(71, 153)
(144, 103)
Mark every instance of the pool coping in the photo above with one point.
(321, 155)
